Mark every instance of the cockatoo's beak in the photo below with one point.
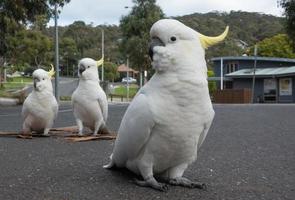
(207, 41)
(82, 68)
(154, 42)
(36, 80)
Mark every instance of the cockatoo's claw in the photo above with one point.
(184, 182)
(153, 184)
(46, 135)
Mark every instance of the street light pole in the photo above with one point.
(56, 53)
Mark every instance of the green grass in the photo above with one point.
(20, 79)
(122, 90)
(4, 93)
(16, 83)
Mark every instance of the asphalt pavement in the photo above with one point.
(249, 153)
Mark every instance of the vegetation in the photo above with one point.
(122, 90)
(16, 83)
(29, 44)
(289, 6)
(135, 29)
(276, 46)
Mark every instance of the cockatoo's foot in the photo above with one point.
(46, 132)
(80, 134)
(151, 182)
(94, 134)
(181, 181)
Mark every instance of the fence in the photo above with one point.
(232, 96)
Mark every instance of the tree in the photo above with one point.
(289, 6)
(82, 34)
(21, 12)
(135, 32)
(29, 47)
(276, 46)
(111, 72)
(68, 52)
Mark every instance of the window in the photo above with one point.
(231, 67)
(285, 86)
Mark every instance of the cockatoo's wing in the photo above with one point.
(134, 131)
(55, 109)
(204, 133)
(25, 111)
(103, 104)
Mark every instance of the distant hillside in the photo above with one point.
(245, 27)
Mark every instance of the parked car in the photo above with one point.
(128, 80)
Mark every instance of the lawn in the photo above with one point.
(17, 83)
(122, 90)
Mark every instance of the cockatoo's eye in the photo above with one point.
(88, 67)
(43, 79)
(173, 39)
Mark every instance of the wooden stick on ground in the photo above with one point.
(91, 137)
(69, 133)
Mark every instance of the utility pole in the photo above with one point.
(254, 73)
(127, 78)
(221, 73)
(102, 54)
(56, 58)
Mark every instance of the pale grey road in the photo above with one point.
(249, 154)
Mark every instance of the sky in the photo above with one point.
(110, 11)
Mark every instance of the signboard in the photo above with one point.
(285, 86)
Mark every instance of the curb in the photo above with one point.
(8, 101)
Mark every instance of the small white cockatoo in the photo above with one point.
(40, 107)
(169, 118)
(89, 101)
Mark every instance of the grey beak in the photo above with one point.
(154, 42)
(35, 83)
(81, 69)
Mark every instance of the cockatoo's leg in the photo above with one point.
(98, 124)
(175, 178)
(80, 126)
(26, 129)
(46, 132)
(149, 180)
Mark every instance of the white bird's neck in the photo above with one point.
(43, 94)
(85, 83)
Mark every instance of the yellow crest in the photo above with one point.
(209, 41)
(100, 62)
(51, 72)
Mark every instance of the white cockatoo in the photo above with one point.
(169, 118)
(40, 108)
(90, 105)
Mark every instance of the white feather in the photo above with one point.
(89, 100)
(169, 118)
(40, 108)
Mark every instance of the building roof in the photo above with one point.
(124, 68)
(263, 72)
(272, 59)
